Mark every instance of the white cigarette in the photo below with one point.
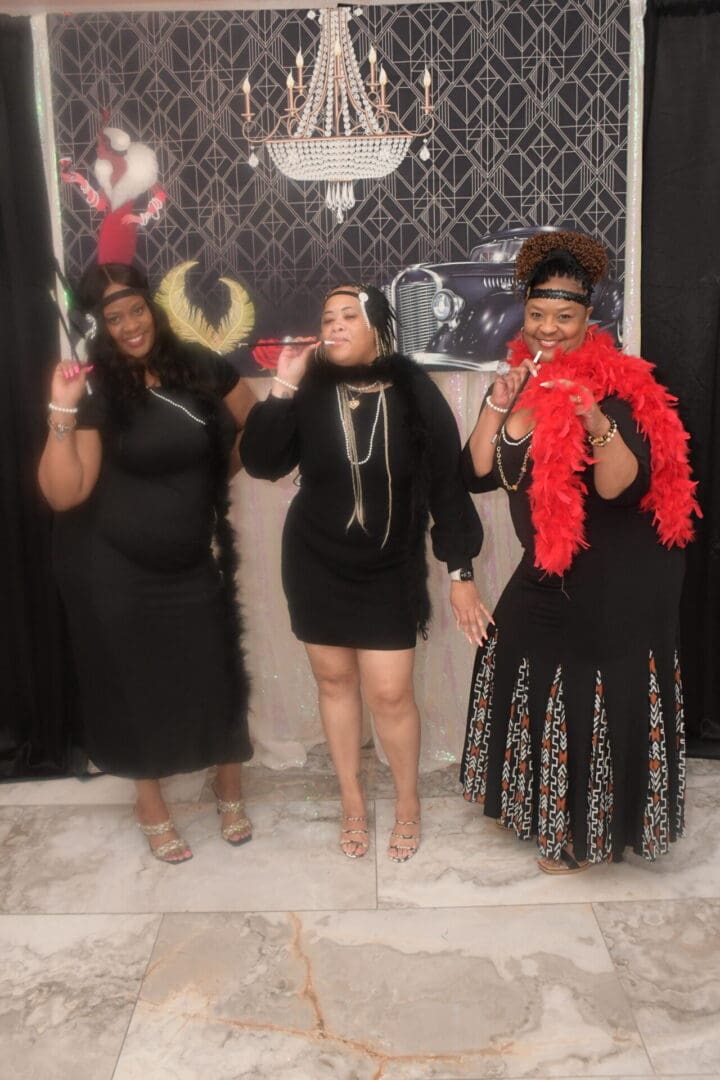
(536, 359)
(328, 342)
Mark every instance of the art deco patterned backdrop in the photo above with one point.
(532, 113)
(531, 105)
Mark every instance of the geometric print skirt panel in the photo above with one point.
(574, 761)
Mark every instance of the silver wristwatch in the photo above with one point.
(466, 574)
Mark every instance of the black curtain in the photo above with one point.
(681, 303)
(36, 692)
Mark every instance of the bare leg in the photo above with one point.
(151, 809)
(386, 678)
(338, 681)
(236, 828)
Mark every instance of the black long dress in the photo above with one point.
(151, 615)
(575, 724)
(345, 588)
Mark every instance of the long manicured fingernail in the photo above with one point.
(546, 384)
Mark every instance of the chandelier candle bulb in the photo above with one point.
(300, 63)
(290, 83)
(247, 115)
(427, 83)
(372, 60)
(383, 84)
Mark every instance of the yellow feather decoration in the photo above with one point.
(189, 322)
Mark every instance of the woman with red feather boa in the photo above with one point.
(575, 724)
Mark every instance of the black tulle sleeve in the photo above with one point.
(269, 446)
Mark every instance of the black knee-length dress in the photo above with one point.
(151, 614)
(575, 723)
(344, 587)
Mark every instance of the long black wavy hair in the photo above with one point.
(122, 380)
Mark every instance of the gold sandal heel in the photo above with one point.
(347, 837)
(408, 849)
(237, 832)
(164, 851)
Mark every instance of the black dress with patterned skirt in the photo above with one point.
(344, 586)
(575, 723)
(150, 610)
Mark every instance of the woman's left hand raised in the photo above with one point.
(471, 615)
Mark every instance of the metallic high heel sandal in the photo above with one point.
(408, 850)
(237, 832)
(164, 851)
(357, 837)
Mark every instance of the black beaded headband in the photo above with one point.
(559, 294)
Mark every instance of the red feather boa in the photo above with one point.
(560, 451)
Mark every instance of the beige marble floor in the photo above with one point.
(284, 960)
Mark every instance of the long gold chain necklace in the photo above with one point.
(523, 468)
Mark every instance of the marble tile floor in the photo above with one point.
(284, 960)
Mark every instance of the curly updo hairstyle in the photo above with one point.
(560, 254)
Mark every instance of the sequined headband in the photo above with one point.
(361, 295)
(559, 294)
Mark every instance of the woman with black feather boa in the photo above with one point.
(138, 473)
(378, 451)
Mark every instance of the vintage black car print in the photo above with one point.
(463, 314)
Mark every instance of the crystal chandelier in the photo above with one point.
(336, 129)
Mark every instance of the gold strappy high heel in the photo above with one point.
(237, 832)
(164, 851)
(358, 837)
(408, 849)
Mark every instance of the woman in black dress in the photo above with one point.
(138, 473)
(377, 448)
(575, 725)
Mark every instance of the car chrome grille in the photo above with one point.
(416, 324)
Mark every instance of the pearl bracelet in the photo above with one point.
(603, 440)
(284, 383)
(494, 407)
(62, 408)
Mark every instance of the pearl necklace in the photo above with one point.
(509, 441)
(177, 405)
(523, 467)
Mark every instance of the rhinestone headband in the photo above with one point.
(360, 295)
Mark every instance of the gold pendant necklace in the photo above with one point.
(523, 468)
(354, 401)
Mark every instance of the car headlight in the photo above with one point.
(447, 305)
